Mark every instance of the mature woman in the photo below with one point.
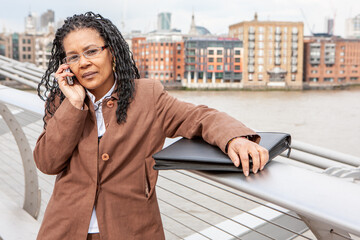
(100, 133)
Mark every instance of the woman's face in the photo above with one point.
(95, 73)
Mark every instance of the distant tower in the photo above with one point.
(164, 21)
(193, 26)
(30, 24)
(47, 19)
(329, 26)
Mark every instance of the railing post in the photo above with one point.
(32, 198)
(323, 231)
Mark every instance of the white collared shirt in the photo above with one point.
(94, 227)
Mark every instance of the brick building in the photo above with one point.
(160, 56)
(213, 62)
(273, 53)
(331, 61)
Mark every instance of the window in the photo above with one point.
(211, 67)
(24, 56)
(260, 77)
(237, 52)
(211, 52)
(178, 67)
(24, 49)
(342, 71)
(313, 79)
(328, 79)
(328, 71)
(261, 53)
(237, 67)
(250, 77)
(260, 61)
(24, 41)
(219, 67)
(260, 68)
(237, 59)
(219, 60)
(341, 79)
(353, 78)
(314, 71)
(211, 60)
(178, 60)
(219, 52)
(29, 56)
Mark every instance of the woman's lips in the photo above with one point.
(89, 75)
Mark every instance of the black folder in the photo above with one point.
(196, 154)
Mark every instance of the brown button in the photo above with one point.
(105, 156)
(110, 103)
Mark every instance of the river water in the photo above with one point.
(329, 119)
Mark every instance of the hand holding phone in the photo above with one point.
(70, 80)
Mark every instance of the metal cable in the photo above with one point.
(236, 194)
(200, 219)
(340, 235)
(217, 214)
(181, 222)
(167, 230)
(275, 224)
(22, 173)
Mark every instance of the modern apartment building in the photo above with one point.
(331, 61)
(213, 62)
(160, 56)
(273, 53)
(352, 28)
(6, 45)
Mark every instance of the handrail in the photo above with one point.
(326, 203)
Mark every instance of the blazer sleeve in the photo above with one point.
(179, 118)
(57, 142)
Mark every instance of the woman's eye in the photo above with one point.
(92, 51)
(73, 58)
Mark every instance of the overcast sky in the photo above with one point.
(215, 15)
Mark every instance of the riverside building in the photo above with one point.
(331, 61)
(273, 53)
(160, 56)
(213, 62)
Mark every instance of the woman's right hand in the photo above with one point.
(76, 92)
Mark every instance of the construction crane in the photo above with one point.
(307, 23)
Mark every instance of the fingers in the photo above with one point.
(234, 157)
(239, 151)
(244, 158)
(264, 156)
(61, 74)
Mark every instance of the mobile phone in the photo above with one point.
(70, 80)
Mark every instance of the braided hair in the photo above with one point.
(125, 67)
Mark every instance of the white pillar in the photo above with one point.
(213, 78)
(189, 78)
(204, 77)
(195, 77)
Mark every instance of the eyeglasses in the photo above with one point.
(90, 53)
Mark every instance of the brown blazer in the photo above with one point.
(117, 174)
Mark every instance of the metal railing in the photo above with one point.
(306, 189)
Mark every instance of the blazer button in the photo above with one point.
(110, 103)
(105, 157)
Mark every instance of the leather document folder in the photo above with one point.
(196, 154)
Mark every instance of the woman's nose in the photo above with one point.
(83, 61)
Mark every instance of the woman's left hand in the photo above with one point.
(241, 148)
